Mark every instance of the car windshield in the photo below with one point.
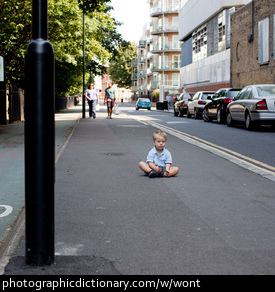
(266, 90)
(144, 100)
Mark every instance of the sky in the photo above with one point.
(134, 14)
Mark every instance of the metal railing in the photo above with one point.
(166, 65)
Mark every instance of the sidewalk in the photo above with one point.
(12, 193)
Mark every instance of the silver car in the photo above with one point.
(196, 105)
(254, 105)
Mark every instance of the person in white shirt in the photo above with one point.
(92, 97)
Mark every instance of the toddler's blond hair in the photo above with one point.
(159, 133)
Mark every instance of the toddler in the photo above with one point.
(159, 159)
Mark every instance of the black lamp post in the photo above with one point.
(83, 98)
(39, 141)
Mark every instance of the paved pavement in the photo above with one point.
(112, 220)
(12, 176)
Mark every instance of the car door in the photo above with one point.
(235, 107)
(213, 106)
(238, 109)
(191, 104)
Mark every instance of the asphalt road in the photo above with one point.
(215, 218)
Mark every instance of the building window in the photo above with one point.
(175, 79)
(263, 41)
(200, 43)
(221, 31)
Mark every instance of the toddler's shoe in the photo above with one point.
(153, 174)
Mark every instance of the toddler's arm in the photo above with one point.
(168, 167)
(154, 167)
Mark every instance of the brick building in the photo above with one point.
(253, 44)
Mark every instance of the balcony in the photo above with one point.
(156, 11)
(142, 44)
(141, 73)
(168, 28)
(166, 66)
(134, 76)
(134, 63)
(141, 58)
(168, 84)
(167, 47)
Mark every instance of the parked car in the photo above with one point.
(196, 106)
(254, 105)
(180, 107)
(216, 108)
(143, 103)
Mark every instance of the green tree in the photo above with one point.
(15, 33)
(120, 66)
(66, 37)
(65, 33)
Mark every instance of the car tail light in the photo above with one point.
(261, 105)
(227, 100)
(200, 102)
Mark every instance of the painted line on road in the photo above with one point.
(246, 162)
(7, 210)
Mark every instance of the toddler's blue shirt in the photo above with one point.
(159, 160)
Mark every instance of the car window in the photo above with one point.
(221, 93)
(248, 93)
(232, 93)
(144, 100)
(205, 95)
(241, 94)
(196, 96)
(266, 90)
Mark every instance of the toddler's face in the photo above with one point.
(159, 143)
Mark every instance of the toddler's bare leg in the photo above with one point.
(144, 167)
(173, 171)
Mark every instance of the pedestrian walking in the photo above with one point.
(159, 159)
(110, 98)
(92, 97)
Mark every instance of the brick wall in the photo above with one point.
(245, 68)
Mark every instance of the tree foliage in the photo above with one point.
(120, 66)
(15, 33)
(65, 34)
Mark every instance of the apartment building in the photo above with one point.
(204, 30)
(158, 62)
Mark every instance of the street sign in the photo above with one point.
(1, 69)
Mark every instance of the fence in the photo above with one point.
(12, 105)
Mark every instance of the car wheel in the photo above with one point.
(137, 108)
(249, 125)
(205, 115)
(229, 120)
(149, 109)
(175, 113)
